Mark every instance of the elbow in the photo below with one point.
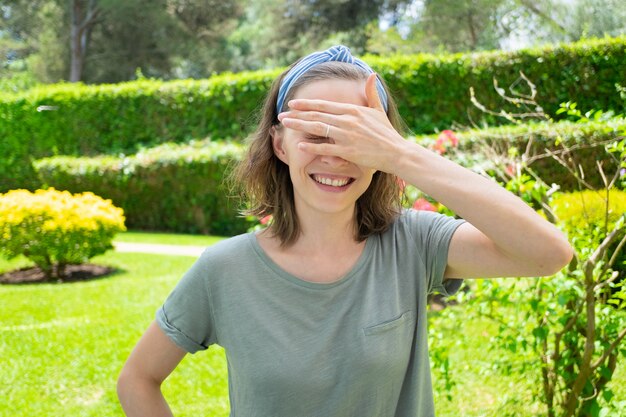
(559, 258)
(131, 380)
(123, 386)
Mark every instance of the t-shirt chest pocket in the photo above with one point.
(402, 320)
(387, 344)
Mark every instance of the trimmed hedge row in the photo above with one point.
(171, 187)
(180, 187)
(432, 92)
(585, 139)
(67, 119)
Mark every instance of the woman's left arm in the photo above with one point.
(503, 236)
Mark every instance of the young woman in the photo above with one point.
(324, 312)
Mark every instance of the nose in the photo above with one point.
(333, 161)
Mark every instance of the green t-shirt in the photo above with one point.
(354, 347)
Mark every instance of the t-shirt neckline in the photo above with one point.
(360, 263)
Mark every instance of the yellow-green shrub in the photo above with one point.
(583, 211)
(55, 228)
(586, 220)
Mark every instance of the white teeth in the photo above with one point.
(332, 182)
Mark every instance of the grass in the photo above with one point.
(166, 238)
(63, 345)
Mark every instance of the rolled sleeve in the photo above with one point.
(433, 233)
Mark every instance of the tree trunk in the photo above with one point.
(83, 20)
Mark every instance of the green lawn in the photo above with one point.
(166, 238)
(63, 345)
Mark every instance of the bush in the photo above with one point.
(179, 188)
(433, 90)
(583, 143)
(568, 329)
(54, 228)
(171, 187)
(589, 210)
(432, 93)
(588, 217)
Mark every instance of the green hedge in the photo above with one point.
(68, 119)
(170, 187)
(585, 139)
(180, 187)
(432, 92)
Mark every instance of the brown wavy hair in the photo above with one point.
(264, 181)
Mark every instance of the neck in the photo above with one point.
(324, 232)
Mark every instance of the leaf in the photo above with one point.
(563, 299)
(540, 333)
(607, 394)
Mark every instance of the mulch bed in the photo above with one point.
(73, 273)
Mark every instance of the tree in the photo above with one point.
(107, 40)
(84, 16)
(277, 32)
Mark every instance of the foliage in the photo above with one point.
(569, 328)
(497, 152)
(55, 229)
(169, 187)
(599, 210)
(305, 26)
(119, 36)
(79, 120)
(76, 119)
(430, 88)
(501, 24)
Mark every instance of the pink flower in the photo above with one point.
(445, 136)
(265, 220)
(451, 137)
(510, 169)
(423, 204)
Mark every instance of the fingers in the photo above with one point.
(371, 92)
(312, 116)
(314, 128)
(325, 149)
(323, 106)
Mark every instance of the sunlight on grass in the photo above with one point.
(63, 345)
(66, 343)
(166, 238)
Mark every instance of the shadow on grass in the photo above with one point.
(73, 273)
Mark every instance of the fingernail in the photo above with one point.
(281, 116)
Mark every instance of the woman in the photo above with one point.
(324, 312)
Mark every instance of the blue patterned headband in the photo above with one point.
(338, 53)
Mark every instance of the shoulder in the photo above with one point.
(421, 228)
(415, 221)
(231, 250)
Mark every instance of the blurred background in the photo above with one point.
(108, 41)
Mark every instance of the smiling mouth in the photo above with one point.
(333, 182)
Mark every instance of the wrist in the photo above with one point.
(407, 162)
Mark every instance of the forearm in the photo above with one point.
(142, 398)
(514, 227)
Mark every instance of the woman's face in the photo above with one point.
(325, 184)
